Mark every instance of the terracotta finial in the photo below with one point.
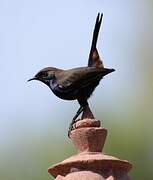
(90, 163)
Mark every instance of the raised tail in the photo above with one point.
(94, 59)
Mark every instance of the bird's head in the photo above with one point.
(45, 75)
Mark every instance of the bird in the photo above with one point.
(77, 83)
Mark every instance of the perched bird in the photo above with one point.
(77, 83)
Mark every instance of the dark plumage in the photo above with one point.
(77, 83)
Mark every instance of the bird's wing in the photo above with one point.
(94, 58)
(79, 77)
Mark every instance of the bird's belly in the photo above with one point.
(65, 95)
(84, 92)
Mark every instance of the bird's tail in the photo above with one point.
(94, 59)
(96, 31)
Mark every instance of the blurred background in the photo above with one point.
(33, 122)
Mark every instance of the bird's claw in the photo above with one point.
(72, 127)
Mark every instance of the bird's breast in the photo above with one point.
(62, 93)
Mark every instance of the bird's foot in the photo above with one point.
(71, 127)
(86, 114)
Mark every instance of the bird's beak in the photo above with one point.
(34, 78)
(112, 70)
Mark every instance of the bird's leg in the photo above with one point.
(74, 119)
(87, 113)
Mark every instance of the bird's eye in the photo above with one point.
(45, 74)
(42, 74)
